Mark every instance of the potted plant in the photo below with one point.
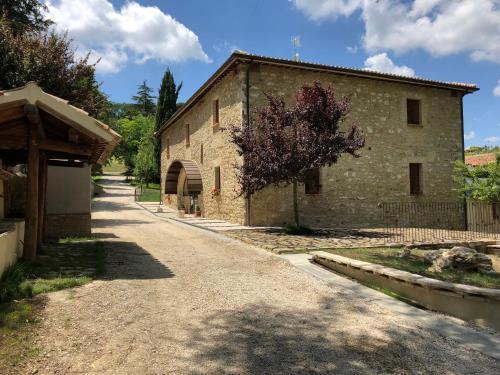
(215, 192)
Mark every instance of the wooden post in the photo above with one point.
(31, 225)
(42, 197)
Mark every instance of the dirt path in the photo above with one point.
(178, 300)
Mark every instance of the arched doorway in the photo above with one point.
(184, 180)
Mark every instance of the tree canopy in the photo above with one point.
(481, 182)
(166, 106)
(23, 15)
(48, 59)
(282, 145)
(144, 100)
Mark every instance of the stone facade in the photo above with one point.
(68, 225)
(217, 150)
(351, 189)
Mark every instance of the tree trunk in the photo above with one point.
(295, 204)
(31, 217)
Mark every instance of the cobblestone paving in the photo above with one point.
(278, 241)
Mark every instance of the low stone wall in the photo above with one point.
(68, 225)
(11, 242)
(480, 305)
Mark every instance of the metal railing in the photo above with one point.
(440, 221)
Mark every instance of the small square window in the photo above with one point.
(188, 141)
(413, 112)
(312, 183)
(415, 178)
(215, 113)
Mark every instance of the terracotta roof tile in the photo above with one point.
(475, 160)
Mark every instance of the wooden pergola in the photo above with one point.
(39, 129)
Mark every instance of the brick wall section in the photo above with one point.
(217, 150)
(352, 188)
(68, 225)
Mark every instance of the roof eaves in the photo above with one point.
(238, 56)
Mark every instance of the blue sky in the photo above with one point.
(438, 39)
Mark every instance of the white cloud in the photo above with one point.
(382, 63)
(321, 9)
(496, 90)
(470, 135)
(440, 27)
(134, 31)
(492, 140)
(225, 47)
(353, 49)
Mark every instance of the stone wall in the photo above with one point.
(352, 188)
(217, 150)
(68, 225)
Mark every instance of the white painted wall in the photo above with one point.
(68, 190)
(11, 242)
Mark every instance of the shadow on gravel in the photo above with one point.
(127, 260)
(112, 206)
(103, 236)
(263, 339)
(104, 223)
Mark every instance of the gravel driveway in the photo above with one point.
(177, 300)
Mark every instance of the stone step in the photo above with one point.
(493, 249)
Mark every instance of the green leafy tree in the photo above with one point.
(23, 15)
(145, 161)
(477, 150)
(49, 59)
(481, 182)
(133, 130)
(144, 100)
(166, 106)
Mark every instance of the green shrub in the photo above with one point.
(13, 284)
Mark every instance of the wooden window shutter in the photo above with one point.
(312, 183)
(217, 178)
(413, 111)
(415, 178)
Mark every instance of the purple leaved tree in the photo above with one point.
(282, 144)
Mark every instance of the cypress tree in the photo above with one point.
(166, 106)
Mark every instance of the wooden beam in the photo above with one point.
(13, 143)
(31, 113)
(12, 113)
(33, 116)
(66, 163)
(42, 197)
(31, 217)
(66, 147)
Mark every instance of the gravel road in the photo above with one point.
(177, 300)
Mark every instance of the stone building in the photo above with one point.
(413, 127)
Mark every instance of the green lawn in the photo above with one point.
(415, 264)
(150, 195)
(151, 191)
(114, 166)
(67, 263)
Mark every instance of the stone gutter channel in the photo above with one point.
(478, 305)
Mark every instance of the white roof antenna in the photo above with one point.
(296, 45)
